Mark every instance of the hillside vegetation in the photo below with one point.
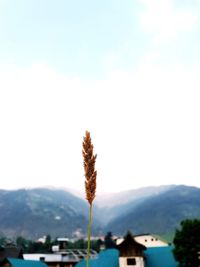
(160, 214)
(36, 212)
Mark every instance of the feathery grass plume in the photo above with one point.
(89, 160)
(89, 166)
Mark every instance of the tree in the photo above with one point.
(22, 243)
(187, 244)
(47, 244)
(109, 242)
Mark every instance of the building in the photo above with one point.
(67, 258)
(10, 252)
(61, 256)
(153, 257)
(131, 253)
(160, 256)
(12, 262)
(106, 258)
(147, 240)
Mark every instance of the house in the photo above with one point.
(154, 257)
(106, 258)
(131, 253)
(10, 252)
(12, 262)
(160, 256)
(61, 258)
(149, 240)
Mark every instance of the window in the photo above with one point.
(131, 261)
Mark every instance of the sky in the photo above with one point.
(127, 71)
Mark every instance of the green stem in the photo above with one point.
(89, 234)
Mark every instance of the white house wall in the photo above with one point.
(123, 262)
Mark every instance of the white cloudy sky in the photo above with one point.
(127, 71)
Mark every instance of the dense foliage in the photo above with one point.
(187, 244)
(30, 246)
(109, 242)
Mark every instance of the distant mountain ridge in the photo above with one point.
(32, 213)
(116, 204)
(124, 197)
(160, 214)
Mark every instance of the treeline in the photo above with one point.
(30, 246)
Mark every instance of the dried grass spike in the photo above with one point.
(89, 160)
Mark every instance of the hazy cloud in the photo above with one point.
(144, 125)
(164, 21)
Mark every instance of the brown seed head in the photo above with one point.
(89, 167)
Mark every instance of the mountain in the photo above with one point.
(32, 213)
(112, 205)
(159, 214)
(110, 200)
(36, 212)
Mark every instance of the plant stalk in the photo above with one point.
(89, 234)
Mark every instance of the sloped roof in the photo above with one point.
(128, 241)
(107, 258)
(68, 255)
(10, 252)
(160, 256)
(154, 257)
(130, 247)
(25, 263)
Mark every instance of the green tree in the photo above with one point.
(95, 244)
(47, 245)
(109, 242)
(2, 241)
(187, 244)
(22, 243)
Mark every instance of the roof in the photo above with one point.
(25, 263)
(144, 234)
(128, 241)
(150, 241)
(107, 258)
(10, 252)
(64, 239)
(154, 257)
(160, 256)
(69, 255)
